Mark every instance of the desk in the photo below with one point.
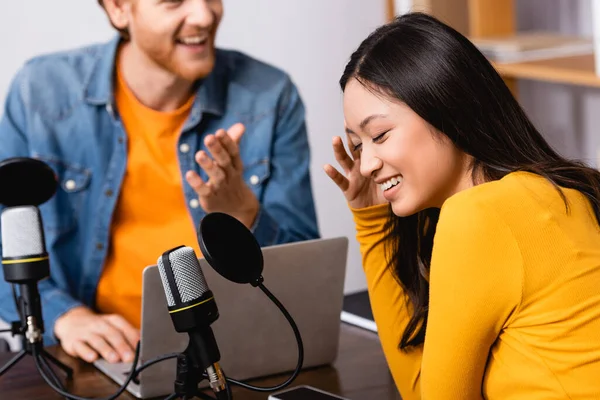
(360, 372)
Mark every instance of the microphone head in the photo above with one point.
(26, 181)
(190, 302)
(22, 232)
(230, 248)
(188, 283)
(24, 257)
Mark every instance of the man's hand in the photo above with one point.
(225, 190)
(85, 334)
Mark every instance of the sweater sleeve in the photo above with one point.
(475, 287)
(388, 301)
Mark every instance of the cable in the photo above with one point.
(225, 394)
(153, 361)
(289, 318)
(42, 365)
(205, 396)
(51, 372)
(227, 387)
(40, 368)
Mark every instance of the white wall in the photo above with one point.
(310, 39)
(32, 27)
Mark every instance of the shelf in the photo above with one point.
(574, 70)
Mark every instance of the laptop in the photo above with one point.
(254, 338)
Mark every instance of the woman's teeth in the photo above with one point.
(390, 183)
(193, 40)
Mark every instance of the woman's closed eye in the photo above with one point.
(376, 139)
(380, 137)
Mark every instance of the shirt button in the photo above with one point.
(108, 193)
(99, 246)
(70, 184)
(184, 148)
(194, 203)
(254, 179)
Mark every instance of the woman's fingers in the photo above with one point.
(340, 154)
(340, 180)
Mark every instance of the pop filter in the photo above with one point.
(230, 248)
(26, 182)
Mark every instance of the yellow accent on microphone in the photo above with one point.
(36, 259)
(193, 305)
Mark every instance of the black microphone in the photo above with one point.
(26, 183)
(25, 262)
(193, 309)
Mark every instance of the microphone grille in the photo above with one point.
(188, 276)
(22, 232)
(165, 282)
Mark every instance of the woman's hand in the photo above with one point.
(360, 192)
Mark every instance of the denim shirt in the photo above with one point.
(60, 109)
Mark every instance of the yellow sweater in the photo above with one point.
(514, 296)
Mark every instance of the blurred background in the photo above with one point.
(313, 39)
(309, 39)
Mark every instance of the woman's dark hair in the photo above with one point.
(444, 78)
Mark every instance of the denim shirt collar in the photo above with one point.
(210, 97)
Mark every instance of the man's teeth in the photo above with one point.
(193, 40)
(391, 182)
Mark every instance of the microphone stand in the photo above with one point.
(188, 377)
(34, 346)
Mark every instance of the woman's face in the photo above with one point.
(415, 166)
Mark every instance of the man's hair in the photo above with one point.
(124, 32)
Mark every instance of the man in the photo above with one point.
(135, 130)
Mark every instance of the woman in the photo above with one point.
(483, 268)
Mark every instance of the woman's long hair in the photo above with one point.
(442, 77)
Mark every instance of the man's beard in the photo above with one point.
(189, 70)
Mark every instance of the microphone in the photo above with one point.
(27, 183)
(25, 262)
(193, 309)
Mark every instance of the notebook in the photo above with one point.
(356, 310)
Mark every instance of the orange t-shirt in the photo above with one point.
(151, 214)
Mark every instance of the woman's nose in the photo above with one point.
(369, 162)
